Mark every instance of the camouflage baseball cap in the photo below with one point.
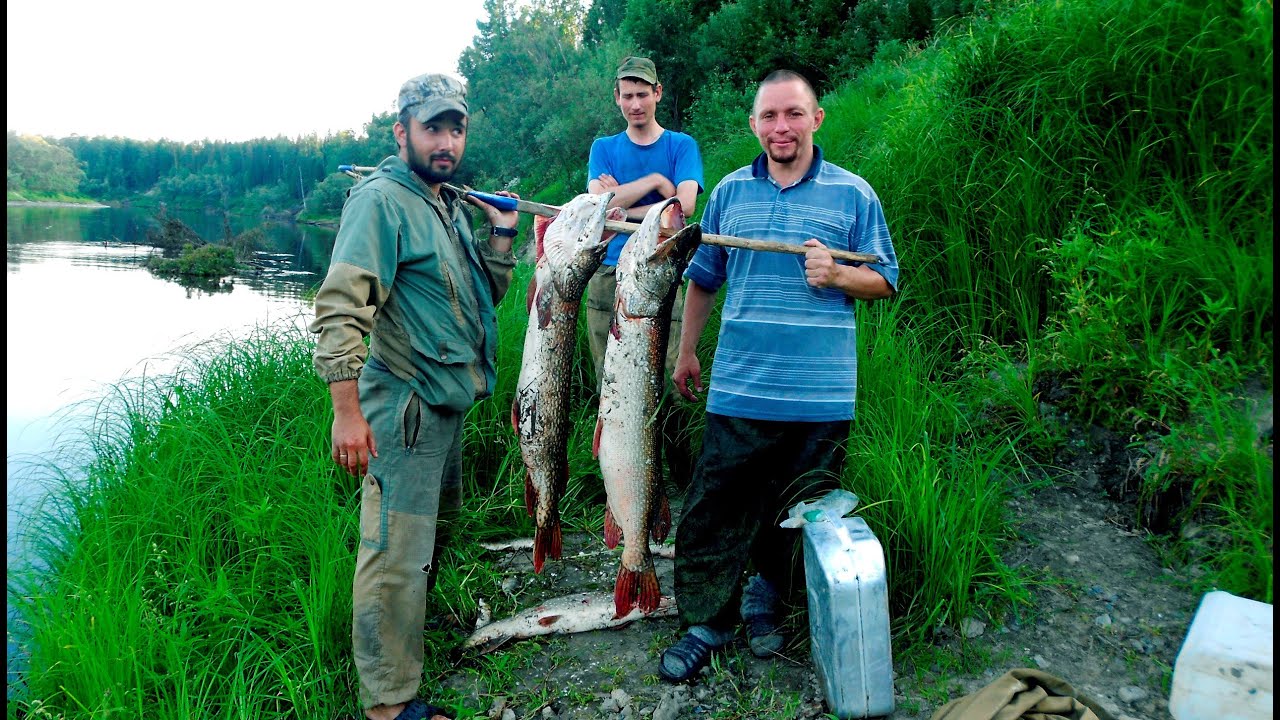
(431, 94)
(638, 68)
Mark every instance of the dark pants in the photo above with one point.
(750, 473)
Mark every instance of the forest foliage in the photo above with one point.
(539, 76)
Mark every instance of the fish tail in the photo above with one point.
(612, 530)
(546, 543)
(530, 493)
(636, 588)
(650, 595)
(661, 524)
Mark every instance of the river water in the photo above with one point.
(83, 314)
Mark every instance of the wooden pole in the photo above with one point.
(534, 208)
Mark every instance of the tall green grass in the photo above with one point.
(203, 565)
(1081, 197)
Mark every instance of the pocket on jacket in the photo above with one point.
(373, 514)
(412, 421)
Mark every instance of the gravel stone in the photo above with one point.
(1132, 694)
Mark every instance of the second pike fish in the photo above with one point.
(628, 431)
(574, 245)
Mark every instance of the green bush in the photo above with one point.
(203, 261)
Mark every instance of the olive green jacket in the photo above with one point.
(407, 271)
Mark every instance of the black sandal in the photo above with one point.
(419, 710)
(684, 659)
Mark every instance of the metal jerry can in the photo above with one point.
(849, 617)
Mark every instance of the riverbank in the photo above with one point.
(41, 203)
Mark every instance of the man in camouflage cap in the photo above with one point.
(408, 272)
(431, 95)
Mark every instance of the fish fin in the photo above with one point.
(649, 594)
(546, 544)
(538, 550)
(530, 493)
(548, 620)
(614, 330)
(540, 225)
(595, 441)
(661, 523)
(635, 588)
(612, 531)
(557, 541)
(515, 415)
(624, 592)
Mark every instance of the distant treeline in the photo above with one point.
(540, 78)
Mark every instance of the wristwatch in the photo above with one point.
(504, 232)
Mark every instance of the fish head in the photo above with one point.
(575, 242)
(654, 259)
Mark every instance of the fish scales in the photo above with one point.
(574, 245)
(581, 612)
(628, 431)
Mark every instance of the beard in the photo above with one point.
(783, 157)
(429, 174)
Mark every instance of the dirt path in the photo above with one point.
(1105, 616)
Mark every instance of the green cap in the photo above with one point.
(431, 94)
(638, 68)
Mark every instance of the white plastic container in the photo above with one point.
(849, 617)
(1224, 670)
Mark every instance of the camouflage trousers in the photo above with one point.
(675, 446)
(412, 487)
(749, 474)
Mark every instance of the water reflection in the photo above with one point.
(84, 314)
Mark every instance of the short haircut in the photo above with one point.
(781, 76)
(617, 84)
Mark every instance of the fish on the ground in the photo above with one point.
(521, 544)
(574, 245)
(575, 613)
(627, 430)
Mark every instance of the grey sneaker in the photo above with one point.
(763, 635)
(759, 615)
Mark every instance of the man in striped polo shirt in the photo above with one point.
(784, 379)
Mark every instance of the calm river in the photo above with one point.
(83, 313)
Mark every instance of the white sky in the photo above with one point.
(226, 70)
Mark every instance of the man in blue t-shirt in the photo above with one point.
(784, 379)
(642, 165)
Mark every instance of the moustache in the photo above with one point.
(444, 156)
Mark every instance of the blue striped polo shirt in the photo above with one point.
(787, 351)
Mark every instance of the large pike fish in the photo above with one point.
(581, 612)
(574, 245)
(628, 431)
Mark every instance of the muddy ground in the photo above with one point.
(1105, 615)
